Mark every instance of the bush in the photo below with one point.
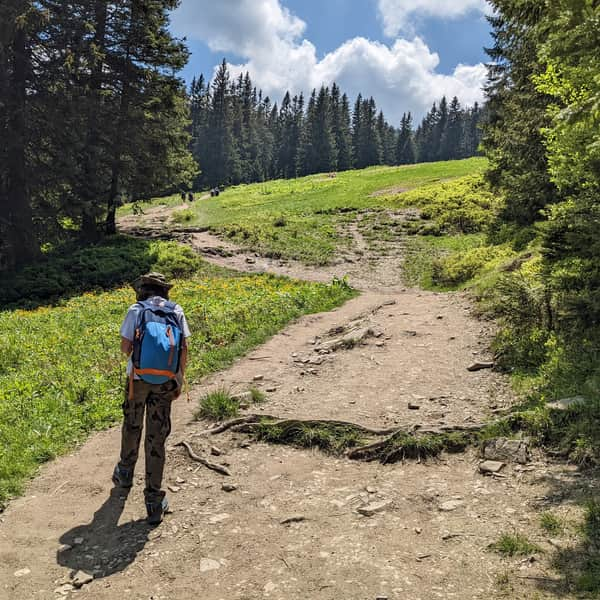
(111, 263)
(463, 266)
(463, 205)
(183, 216)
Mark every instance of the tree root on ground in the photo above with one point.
(354, 440)
(209, 465)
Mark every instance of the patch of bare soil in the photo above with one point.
(293, 523)
(391, 191)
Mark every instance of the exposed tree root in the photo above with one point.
(209, 465)
(342, 437)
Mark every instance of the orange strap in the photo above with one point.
(168, 374)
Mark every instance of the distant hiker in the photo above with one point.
(182, 196)
(191, 196)
(153, 335)
(214, 192)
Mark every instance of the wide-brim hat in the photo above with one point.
(153, 278)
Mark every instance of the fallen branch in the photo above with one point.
(203, 461)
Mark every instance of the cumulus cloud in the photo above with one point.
(396, 14)
(401, 76)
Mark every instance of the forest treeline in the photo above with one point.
(91, 111)
(239, 136)
(543, 142)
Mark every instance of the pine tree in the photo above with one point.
(340, 110)
(18, 243)
(405, 148)
(224, 163)
(517, 112)
(451, 146)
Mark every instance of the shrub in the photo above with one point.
(463, 266)
(111, 263)
(463, 205)
(184, 216)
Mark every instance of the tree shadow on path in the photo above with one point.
(103, 547)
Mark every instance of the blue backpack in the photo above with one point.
(157, 343)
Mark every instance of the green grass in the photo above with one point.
(299, 218)
(62, 374)
(219, 405)
(330, 438)
(551, 523)
(514, 544)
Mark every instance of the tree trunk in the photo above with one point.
(92, 186)
(21, 244)
(115, 185)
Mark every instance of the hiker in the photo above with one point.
(153, 335)
(191, 197)
(182, 195)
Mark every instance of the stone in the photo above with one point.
(566, 403)
(179, 480)
(229, 487)
(250, 260)
(258, 378)
(218, 518)
(78, 541)
(271, 389)
(65, 548)
(216, 451)
(243, 397)
(418, 530)
(208, 564)
(22, 572)
(371, 490)
(64, 590)
(375, 507)
(491, 466)
(479, 366)
(293, 519)
(173, 488)
(450, 505)
(82, 578)
(506, 450)
(413, 406)
(380, 344)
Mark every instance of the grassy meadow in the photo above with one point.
(299, 218)
(62, 375)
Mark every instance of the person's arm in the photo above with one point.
(128, 330)
(126, 346)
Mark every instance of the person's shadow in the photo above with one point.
(103, 547)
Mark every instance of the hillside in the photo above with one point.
(358, 469)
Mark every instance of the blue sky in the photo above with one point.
(405, 53)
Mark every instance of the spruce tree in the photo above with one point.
(405, 149)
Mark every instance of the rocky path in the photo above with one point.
(298, 524)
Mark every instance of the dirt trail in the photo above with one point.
(429, 542)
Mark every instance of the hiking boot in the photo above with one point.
(156, 510)
(122, 477)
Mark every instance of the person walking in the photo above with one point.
(154, 335)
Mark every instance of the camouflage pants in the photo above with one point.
(155, 401)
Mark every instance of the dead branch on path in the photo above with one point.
(209, 465)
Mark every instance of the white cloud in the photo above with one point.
(396, 14)
(401, 76)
